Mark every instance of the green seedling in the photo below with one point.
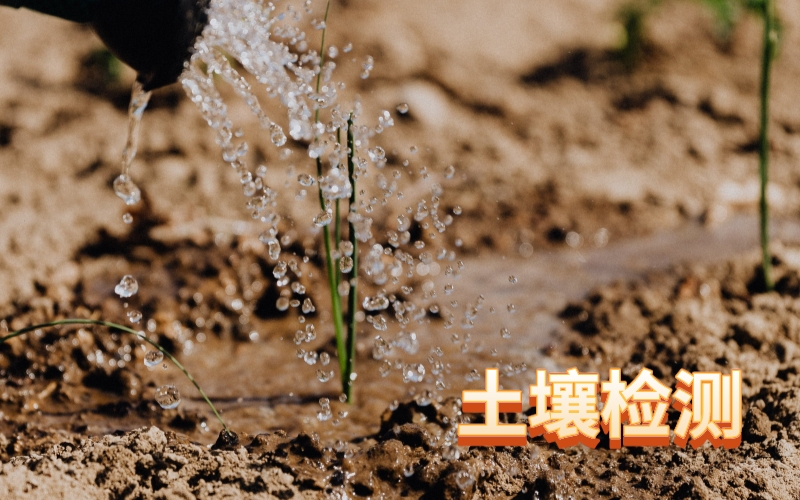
(768, 54)
(727, 13)
(124, 329)
(344, 323)
(335, 144)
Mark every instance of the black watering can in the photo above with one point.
(154, 37)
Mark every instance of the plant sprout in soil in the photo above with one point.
(264, 42)
(768, 54)
(727, 12)
(345, 263)
(270, 47)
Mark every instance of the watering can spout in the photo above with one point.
(154, 37)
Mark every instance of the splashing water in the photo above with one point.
(124, 186)
(413, 372)
(272, 51)
(378, 303)
(336, 185)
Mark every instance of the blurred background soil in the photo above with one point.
(548, 131)
(557, 144)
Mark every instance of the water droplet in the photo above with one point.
(228, 155)
(336, 185)
(346, 248)
(511, 308)
(380, 348)
(403, 223)
(448, 289)
(282, 303)
(379, 323)
(274, 249)
(324, 376)
(127, 218)
(346, 264)
(279, 270)
(323, 218)
(168, 397)
(408, 342)
(276, 135)
(377, 303)
(505, 333)
(249, 189)
(573, 239)
(413, 372)
(134, 316)
(126, 189)
(425, 398)
(310, 357)
(127, 287)
(449, 172)
(305, 180)
(153, 358)
(376, 154)
(402, 108)
(308, 306)
(368, 64)
(347, 48)
(408, 470)
(324, 358)
(457, 210)
(512, 279)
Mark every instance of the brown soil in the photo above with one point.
(549, 133)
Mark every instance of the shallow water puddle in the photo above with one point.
(263, 386)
